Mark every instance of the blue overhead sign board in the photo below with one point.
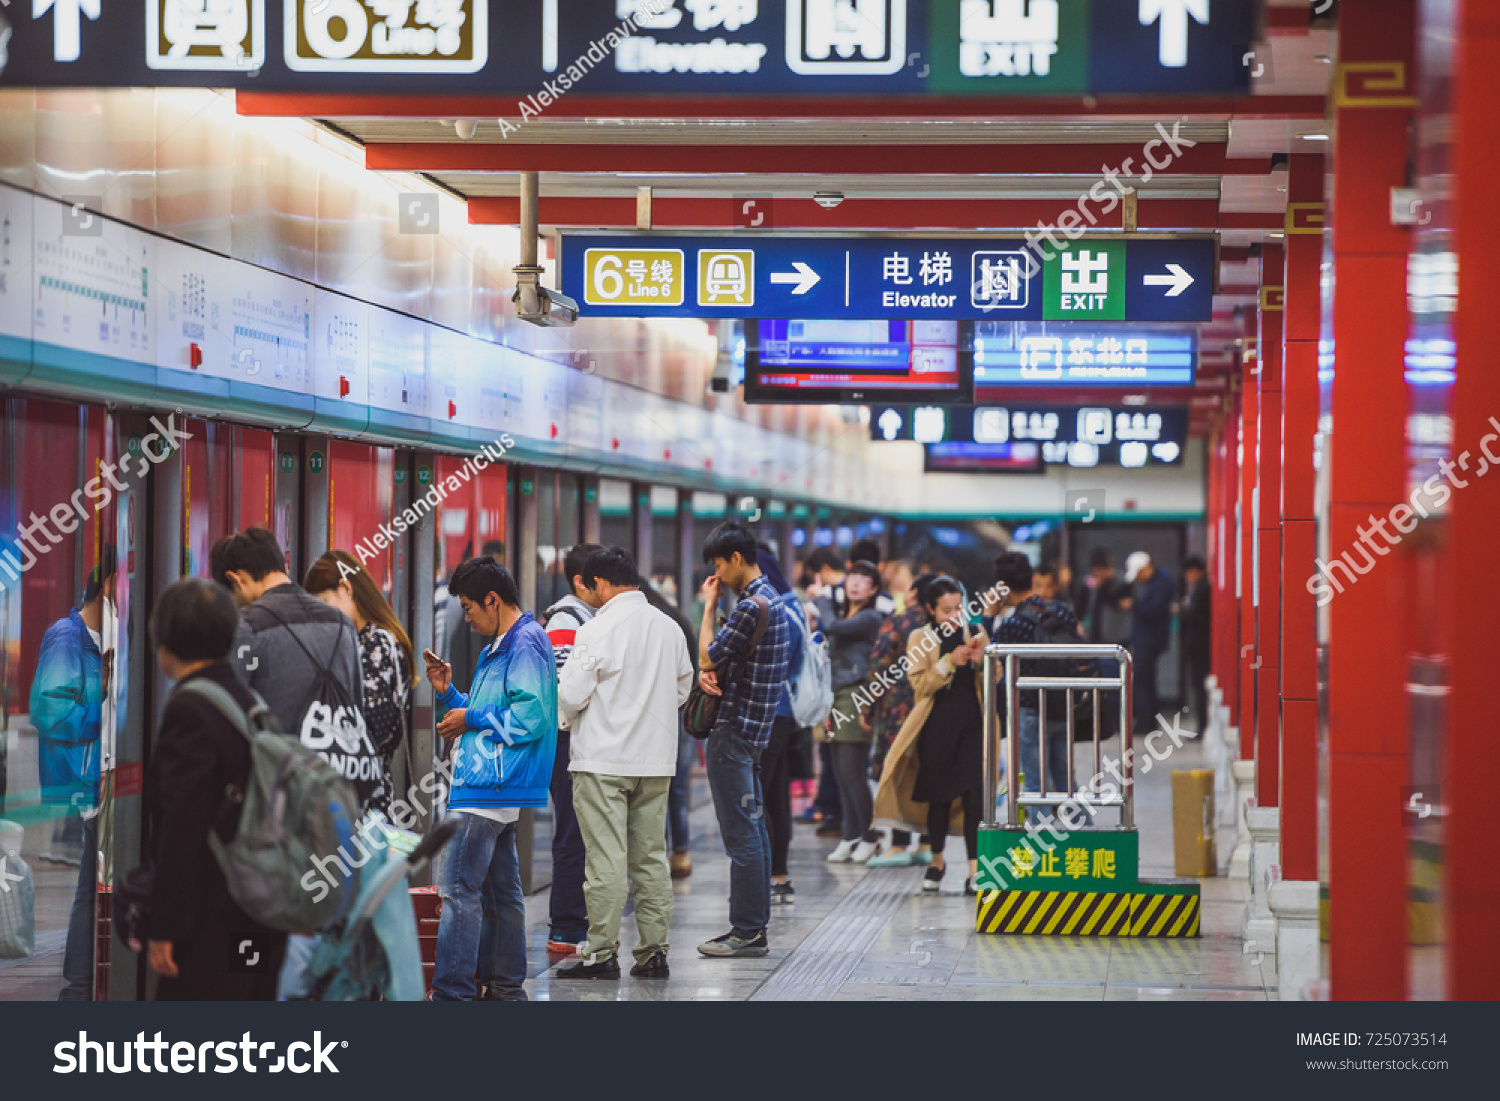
(1005, 355)
(639, 47)
(922, 279)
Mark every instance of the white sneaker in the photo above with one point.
(863, 851)
(841, 854)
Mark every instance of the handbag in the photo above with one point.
(701, 711)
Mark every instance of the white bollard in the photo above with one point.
(1265, 856)
(1244, 790)
(1298, 954)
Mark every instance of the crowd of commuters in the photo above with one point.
(584, 711)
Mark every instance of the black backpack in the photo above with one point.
(1051, 629)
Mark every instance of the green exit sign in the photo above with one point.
(1085, 282)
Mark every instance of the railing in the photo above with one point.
(1011, 654)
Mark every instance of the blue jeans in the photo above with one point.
(483, 927)
(568, 915)
(78, 955)
(682, 786)
(734, 778)
(1057, 756)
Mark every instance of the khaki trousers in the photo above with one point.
(623, 820)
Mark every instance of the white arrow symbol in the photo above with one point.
(1177, 279)
(1172, 46)
(804, 277)
(65, 19)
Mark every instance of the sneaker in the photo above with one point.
(559, 947)
(681, 864)
(932, 881)
(652, 967)
(732, 945)
(843, 854)
(830, 828)
(894, 858)
(971, 885)
(809, 816)
(603, 969)
(921, 856)
(783, 894)
(862, 852)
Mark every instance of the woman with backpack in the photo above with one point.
(385, 656)
(201, 944)
(936, 763)
(850, 640)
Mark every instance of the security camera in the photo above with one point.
(465, 128)
(552, 308)
(725, 376)
(828, 199)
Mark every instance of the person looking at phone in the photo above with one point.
(503, 736)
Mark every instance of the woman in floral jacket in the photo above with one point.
(385, 655)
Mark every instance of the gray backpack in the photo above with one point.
(290, 865)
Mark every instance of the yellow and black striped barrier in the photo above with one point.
(1089, 913)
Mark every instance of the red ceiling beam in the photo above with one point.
(669, 212)
(1203, 159)
(332, 106)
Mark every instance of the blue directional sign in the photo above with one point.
(1066, 355)
(934, 278)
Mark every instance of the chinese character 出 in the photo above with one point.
(729, 14)
(896, 268)
(1006, 37)
(1076, 863)
(937, 267)
(1104, 864)
(1085, 272)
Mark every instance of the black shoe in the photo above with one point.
(783, 894)
(653, 967)
(493, 992)
(971, 885)
(604, 969)
(932, 880)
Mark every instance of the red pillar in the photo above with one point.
(1268, 534)
(1249, 469)
(1226, 608)
(1373, 97)
(1473, 765)
(1299, 529)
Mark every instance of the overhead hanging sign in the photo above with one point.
(640, 47)
(1082, 355)
(868, 278)
(1059, 435)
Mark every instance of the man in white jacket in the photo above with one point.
(619, 691)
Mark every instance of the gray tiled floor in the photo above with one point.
(927, 949)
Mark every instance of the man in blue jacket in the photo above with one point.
(1150, 631)
(67, 698)
(504, 735)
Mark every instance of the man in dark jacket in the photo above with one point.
(1196, 636)
(569, 916)
(302, 656)
(1150, 631)
(203, 946)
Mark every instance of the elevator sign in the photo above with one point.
(890, 278)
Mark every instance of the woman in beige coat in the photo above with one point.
(942, 794)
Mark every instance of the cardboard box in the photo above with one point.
(1193, 822)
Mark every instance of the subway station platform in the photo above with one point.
(871, 935)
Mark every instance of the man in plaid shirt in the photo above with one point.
(743, 727)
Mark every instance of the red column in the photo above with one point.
(1249, 469)
(1226, 608)
(1268, 536)
(1473, 765)
(1373, 97)
(1299, 529)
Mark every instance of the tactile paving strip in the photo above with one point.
(821, 964)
